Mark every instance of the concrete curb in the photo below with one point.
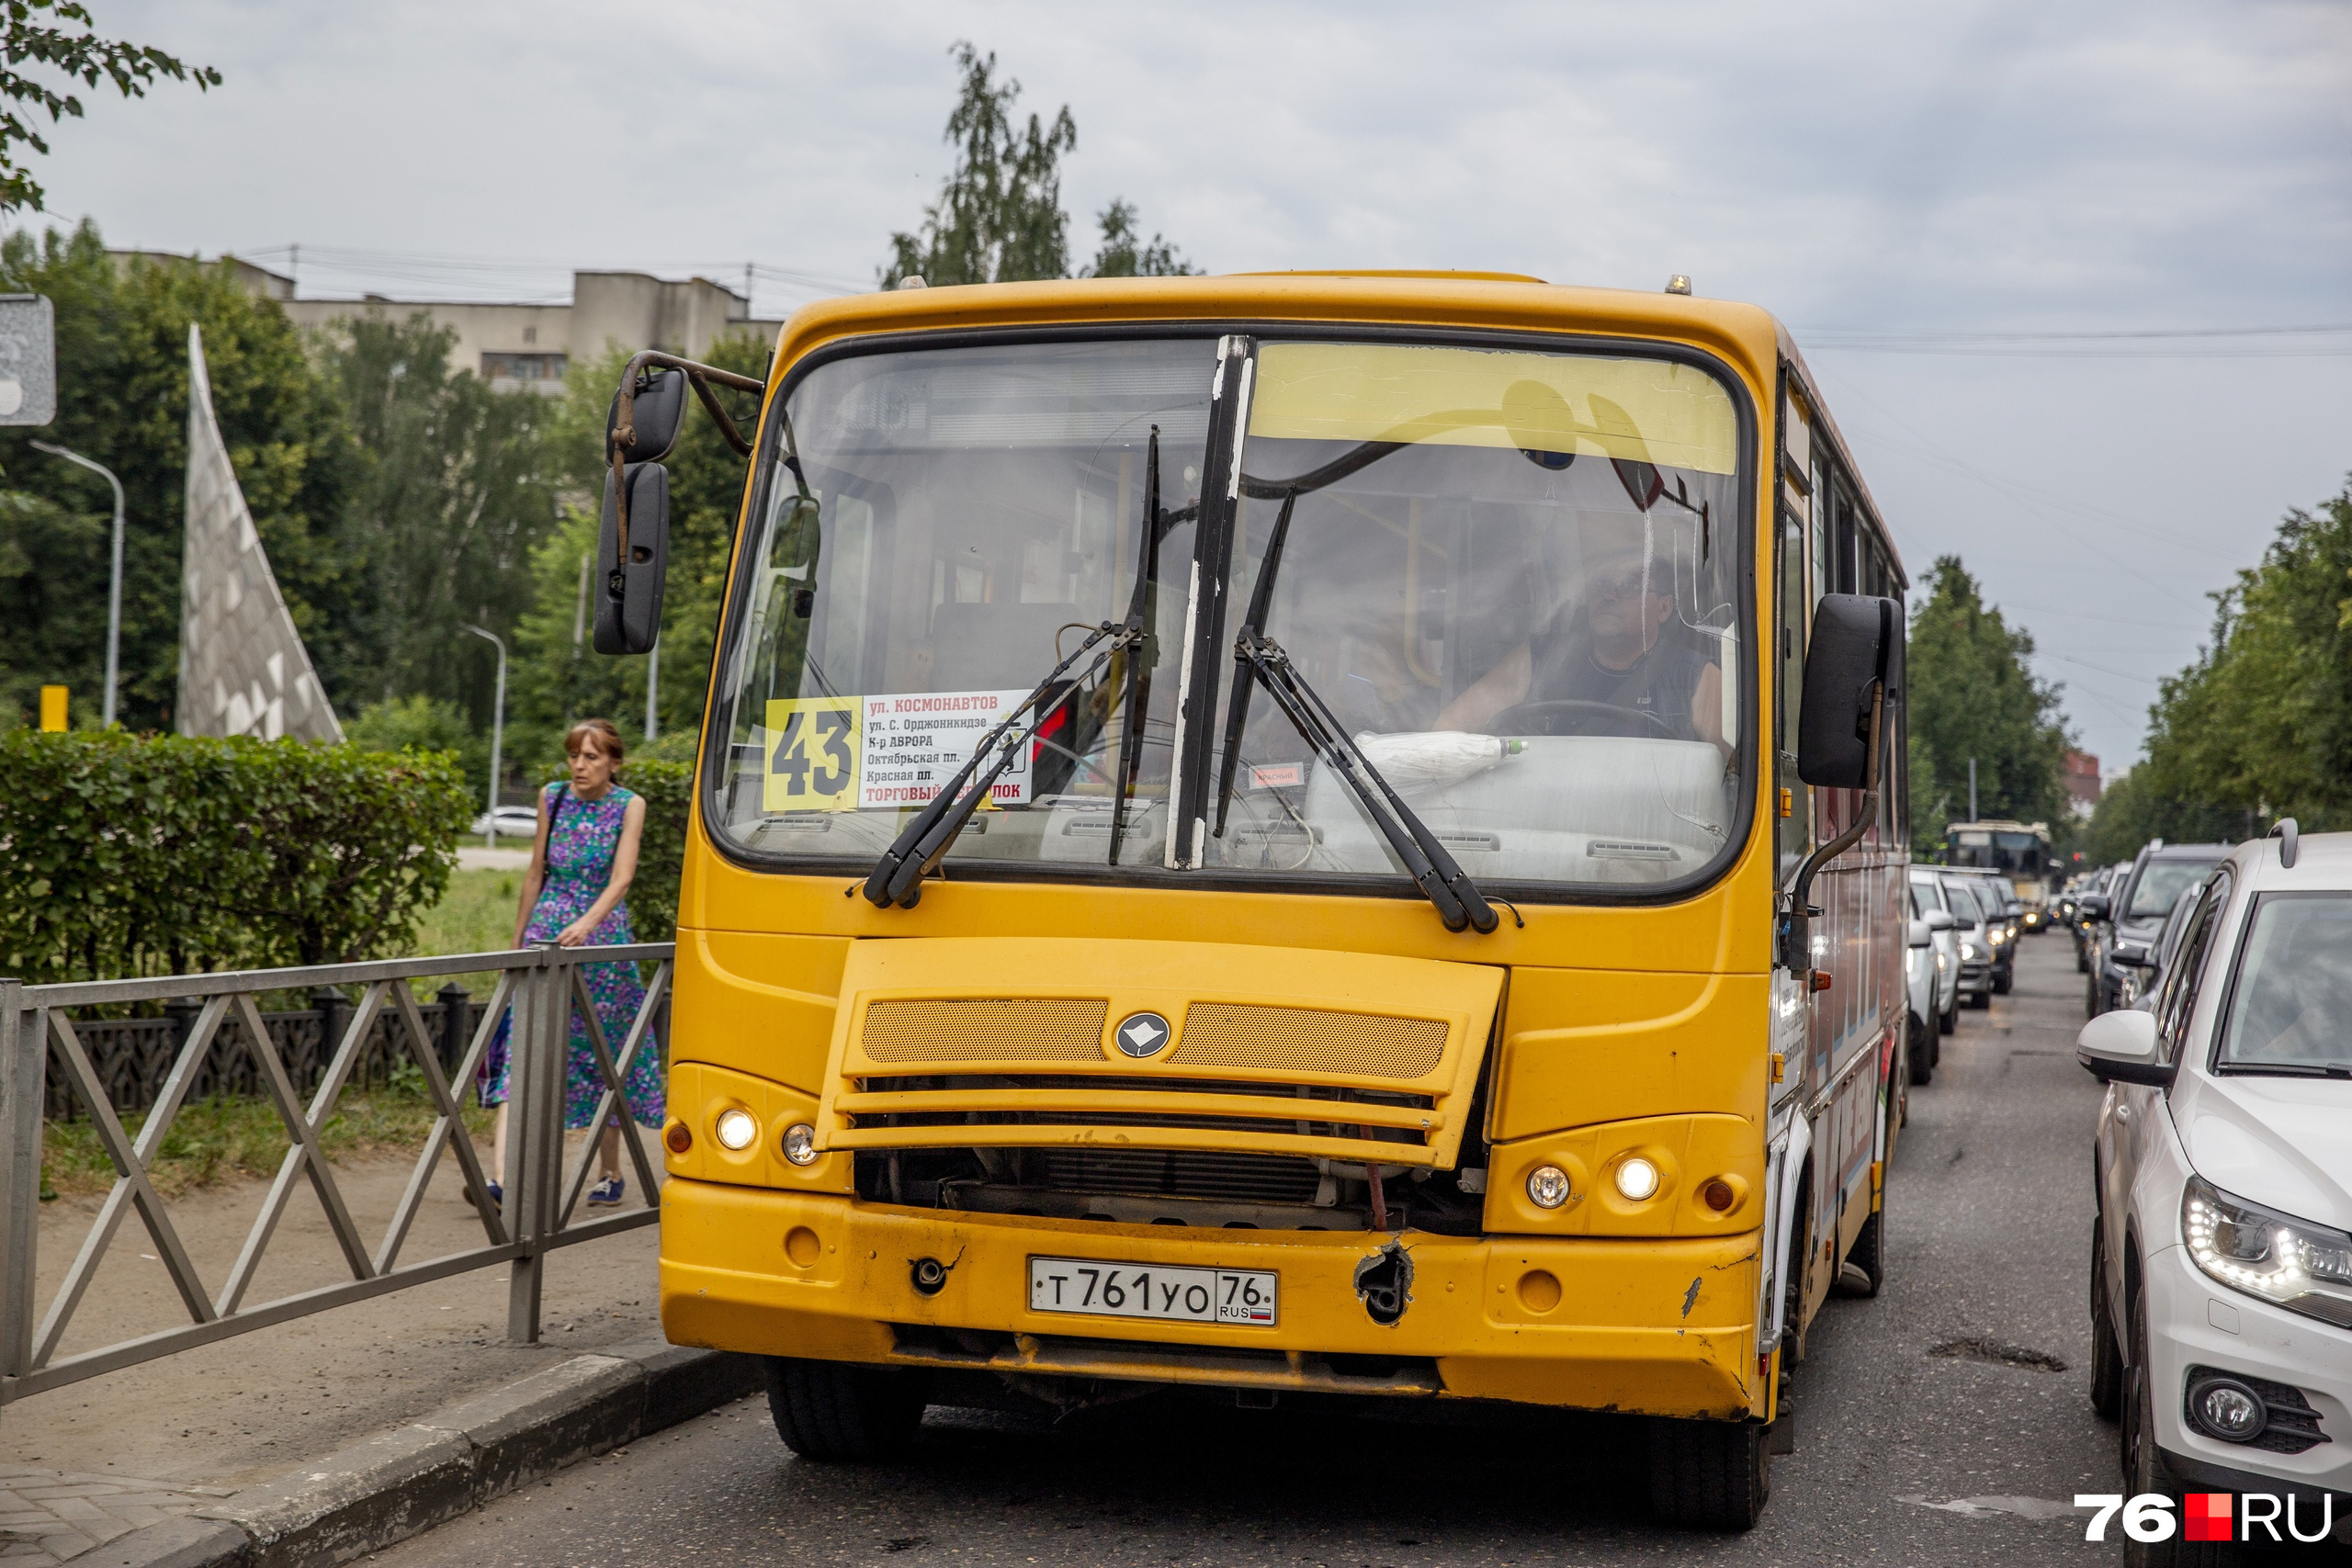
(406, 1481)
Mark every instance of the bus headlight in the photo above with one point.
(1547, 1187)
(1637, 1180)
(800, 1144)
(2301, 1266)
(736, 1128)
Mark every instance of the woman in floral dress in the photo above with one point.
(572, 895)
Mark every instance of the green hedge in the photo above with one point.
(127, 855)
(668, 788)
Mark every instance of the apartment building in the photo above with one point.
(530, 345)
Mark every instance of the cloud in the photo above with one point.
(1850, 166)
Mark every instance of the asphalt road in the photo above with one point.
(1944, 1422)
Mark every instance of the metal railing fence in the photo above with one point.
(547, 990)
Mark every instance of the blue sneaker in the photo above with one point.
(607, 1192)
(497, 1195)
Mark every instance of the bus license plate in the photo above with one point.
(1241, 1296)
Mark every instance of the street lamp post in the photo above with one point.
(114, 583)
(497, 731)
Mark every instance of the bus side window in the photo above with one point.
(1793, 801)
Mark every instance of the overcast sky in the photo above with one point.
(1895, 182)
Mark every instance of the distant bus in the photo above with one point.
(2019, 851)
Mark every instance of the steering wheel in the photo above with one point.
(1527, 718)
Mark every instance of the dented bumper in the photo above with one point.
(1659, 1327)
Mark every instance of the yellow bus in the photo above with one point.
(1299, 835)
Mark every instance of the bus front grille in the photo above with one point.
(1181, 1173)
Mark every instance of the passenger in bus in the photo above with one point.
(1621, 647)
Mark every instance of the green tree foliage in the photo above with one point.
(1972, 696)
(453, 495)
(998, 218)
(420, 723)
(1125, 253)
(2260, 726)
(49, 558)
(124, 855)
(32, 37)
(123, 399)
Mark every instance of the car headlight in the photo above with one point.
(2301, 1266)
(1994, 937)
(1910, 962)
(1940, 964)
(1968, 950)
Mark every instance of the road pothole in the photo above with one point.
(1977, 1348)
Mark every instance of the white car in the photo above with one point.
(2221, 1259)
(1927, 979)
(513, 822)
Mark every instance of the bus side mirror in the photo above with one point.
(657, 412)
(1856, 648)
(628, 610)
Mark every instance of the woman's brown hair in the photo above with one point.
(608, 738)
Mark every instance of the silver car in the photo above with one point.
(1929, 903)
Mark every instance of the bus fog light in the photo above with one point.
(1547, 1187)
(736, 1128)
(800, 1144)
(2229, 1410)
(1637, 1179)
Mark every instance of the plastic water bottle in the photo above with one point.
(1436, 758)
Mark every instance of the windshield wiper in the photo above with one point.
(2285, 1070)
(915, 853)
(1441, 881)
(1143, 612)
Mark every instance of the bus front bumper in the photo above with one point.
(1662, 1326)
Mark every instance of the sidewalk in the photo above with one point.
(245, 1409)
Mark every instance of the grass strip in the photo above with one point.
(224, 1139)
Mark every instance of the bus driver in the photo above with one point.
(1623, 649)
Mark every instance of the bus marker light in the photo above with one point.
(1718, 1195)
(1547, 1187)
(800, 1144)
(1637, 1179)
(680, 1138)
(736, 1128)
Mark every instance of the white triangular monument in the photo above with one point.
(242, 668)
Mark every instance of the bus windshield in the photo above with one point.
(1510, 576)
(2017, 853)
